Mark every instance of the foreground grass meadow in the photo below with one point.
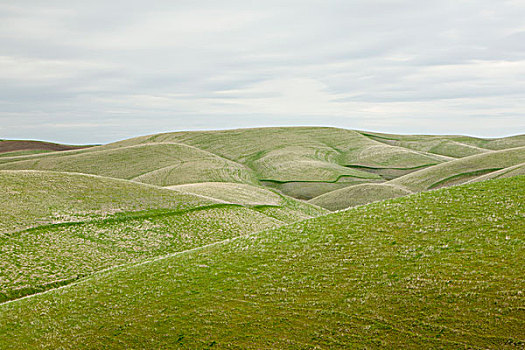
(228, 239)
(449, 275)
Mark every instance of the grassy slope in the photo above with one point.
(272, 204)
(43, 257)
(357, 195)
(308, 190)
(473, 168)
(506, 172)
(159, 164)
(438, 269)
(460, 170)
(302, 162)
(31, 198)
(294, 154)
(96, 222)
(452, 146)
(234, 193)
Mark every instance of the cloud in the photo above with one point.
(386, 65)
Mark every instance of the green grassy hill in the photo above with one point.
(161, 164)
(234, 193)
(302, 162)
(471, 168)
(451, 146)
(439, 269)
(83, 223)
(461, 170)
(506, 172)
(33, 198)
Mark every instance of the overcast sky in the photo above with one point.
(98, 71)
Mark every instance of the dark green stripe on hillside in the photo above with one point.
(462, 176)
(122, 217)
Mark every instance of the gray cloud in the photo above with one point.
(97, 71)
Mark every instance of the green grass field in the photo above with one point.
(226, 239)
(449, 274)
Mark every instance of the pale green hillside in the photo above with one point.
(357, 195)
(233, 193)
(460, 170)
(32, 198)
(159, 164)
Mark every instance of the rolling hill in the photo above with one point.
(194, 240)
(358, 195)
(302, 162)
(479, 167)
(57, 227)
(439, 269)
(161, 164)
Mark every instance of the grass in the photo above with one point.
(84, 223)
(32, 198)
(440, 269)
(189, 240)
(358, 195)
(35, 259)
(309, 189)
(460, 170)
(386, 156)
(233, 193)
(161, 164)
(452, 145)
(472, 168)
(506, 172)
(303, 162)
(274, 153)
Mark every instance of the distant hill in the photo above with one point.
(301, 162)
(504, 163)
(10, 148)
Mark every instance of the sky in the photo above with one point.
(99, 71)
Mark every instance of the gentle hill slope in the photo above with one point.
(461, 170)
(478, 167)
(302, 162)
(161, 164)
(452, 146)
(85, 223)
(234, 193)
(357, 195)
(379, 276)
(506, 172)
(31, 198)
(270, 203)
